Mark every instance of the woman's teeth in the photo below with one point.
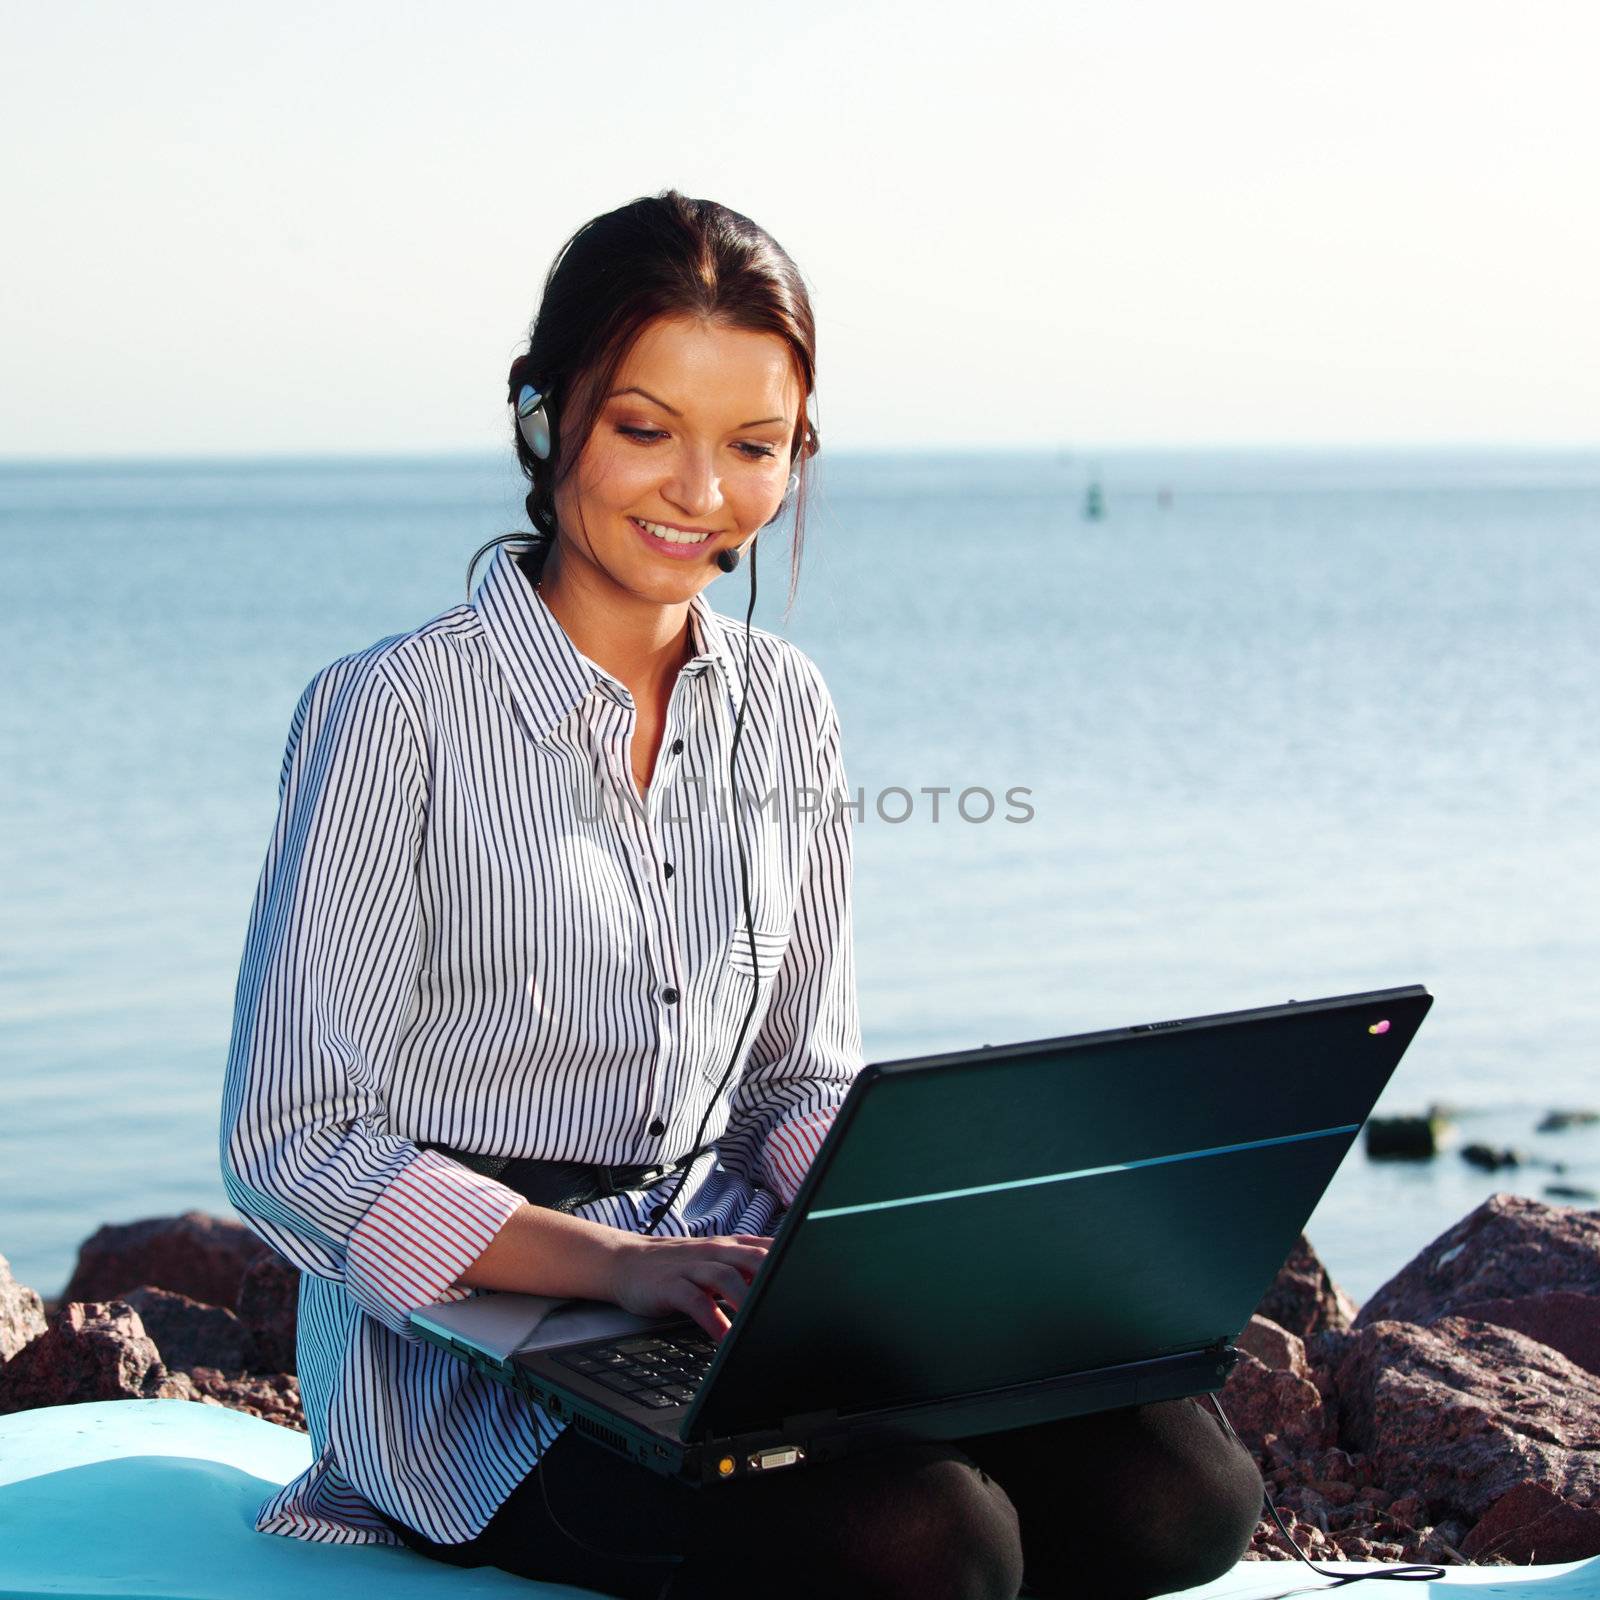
(671, 535)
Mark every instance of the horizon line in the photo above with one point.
(1066, 452)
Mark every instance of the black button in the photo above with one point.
(677, 747)
(657, 1127)
(670, 995)
(666, 867)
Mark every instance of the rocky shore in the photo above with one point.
(1455, 1417)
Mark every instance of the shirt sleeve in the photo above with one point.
(326, 986)
(808, 1050)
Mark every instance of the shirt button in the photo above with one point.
(677, 747)
(670, 995)
(666, 867)
(657, 1127)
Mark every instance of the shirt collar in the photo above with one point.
(548, 673)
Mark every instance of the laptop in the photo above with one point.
(987, 1239)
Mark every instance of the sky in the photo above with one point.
(324, 228)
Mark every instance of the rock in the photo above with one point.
(269, 1297)
(1490, 1159)
(1461, 1412)
(97, 1351)
(1303, 1298)
(189, 1334)
(1559, 1121)
(1427, 1544)
(1565, 1321)
(1405, 1138)
(21, 1313)
(196, 1255)
(1274, 1347)
(1324, 1352)
(1263, 1404)
(1529, 1524)
(274, 1396)
(1510, 1247)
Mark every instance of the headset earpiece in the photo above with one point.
(534, 421)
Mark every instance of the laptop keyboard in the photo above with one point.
(652, 1371)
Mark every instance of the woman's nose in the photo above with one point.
(694, 488)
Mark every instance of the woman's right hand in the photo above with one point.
(654, 1277)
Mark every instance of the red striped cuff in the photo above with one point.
(426, 1228)
(790, 1149)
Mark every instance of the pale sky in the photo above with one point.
(323, 228)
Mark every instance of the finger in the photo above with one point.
(726, 1281)
(751, 1255)
(694, 1302)
(747, 1257)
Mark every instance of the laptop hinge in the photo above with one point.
(481, 1359)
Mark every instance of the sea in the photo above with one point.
(1137, 736)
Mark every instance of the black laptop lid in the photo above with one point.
(998, 1216)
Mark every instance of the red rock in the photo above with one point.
(274, 1396)
(1427, 1544)
(1530, 1524)
(268, 1303)
(196, 1255)
(1459, 1413)
(1303, 1298)
(21, 1313)
(96, 1351)
(1564, 1320)
(1335, 1493)
(1333, 1466)
(1261, 1403)
(189, 1334)
(1409, 1509)
(1509, 1248)
(1274, 1346)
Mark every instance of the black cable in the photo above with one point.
(660, 1211)
(687, 1162)
(1420, 1572)
(675, 1560)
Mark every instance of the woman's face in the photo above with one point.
(693, 440)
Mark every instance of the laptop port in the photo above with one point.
(783, 1455)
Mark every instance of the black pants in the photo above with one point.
(1123, 1504)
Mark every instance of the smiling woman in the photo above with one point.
(669, 471)
(684, 330)
(494, 1034)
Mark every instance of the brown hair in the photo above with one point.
(662, 255)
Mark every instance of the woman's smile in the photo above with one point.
(679, 543)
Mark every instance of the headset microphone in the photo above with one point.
(728, 559)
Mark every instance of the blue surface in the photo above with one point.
(158, 1498)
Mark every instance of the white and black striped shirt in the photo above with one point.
(471, 930)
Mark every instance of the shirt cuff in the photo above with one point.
(427, 1227)
(792, 1147)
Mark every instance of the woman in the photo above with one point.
(533, 999)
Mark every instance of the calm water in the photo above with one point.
(1293, 725)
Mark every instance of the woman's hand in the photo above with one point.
(652, 1277)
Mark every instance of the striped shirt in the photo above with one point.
(472, 930)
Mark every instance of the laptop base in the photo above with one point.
(828, 1436)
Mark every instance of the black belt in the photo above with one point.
(560, 1185)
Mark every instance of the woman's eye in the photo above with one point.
(747, 448)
